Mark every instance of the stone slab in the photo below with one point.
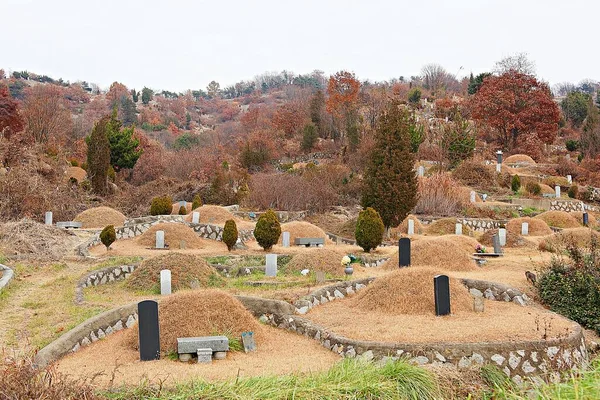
(192, 344)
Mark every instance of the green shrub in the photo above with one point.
(267, 230)
(571, 285)
(515, 183)
(108, 236)
(230, 234)
(414, 96)
(161, 205)
(572, 145)
(197, 202)
(573, 191)
(74, 162)
(533, 188)
(369, 229)
(182, 210)
(111, 174)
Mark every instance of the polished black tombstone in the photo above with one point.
(148, 330)
(404, 252)
(586, 220)
(441, 289)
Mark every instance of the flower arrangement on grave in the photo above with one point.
(480, 249)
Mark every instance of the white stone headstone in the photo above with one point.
(525, 228)
(502, 236)
(195, 217)
(160, 239)
(569, 179)
(411, 227)
(421, 171)
(458, 229)
(165, 282)
(285, 239)
(557, 191)
(48, 218)
(271, 267)
(182, 203)
(473, 197)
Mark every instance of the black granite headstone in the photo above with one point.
(148, 330)
(586, 220)
(404, 252)
(441, 289)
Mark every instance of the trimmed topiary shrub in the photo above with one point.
(108, 236)
(267, 230)
(182, 210)
(197, 202)
(533, 188)
(230, 234)
(161, 205)
(369, 229)
(515, 183)
(573, 191)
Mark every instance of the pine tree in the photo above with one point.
(124, 151)
(147, 95)
(390, 183)
(98, 155)
(317, 104)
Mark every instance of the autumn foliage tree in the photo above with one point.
(515, 105)
(46, 114)
(390, 182)
(343, 89)
(10, 119)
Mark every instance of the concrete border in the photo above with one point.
(7, 275)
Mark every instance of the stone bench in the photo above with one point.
(205, 347)
(69, 224)
(309, 242)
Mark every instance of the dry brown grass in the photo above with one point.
(217, 215)
(199, 313)
(174, 233)
(185, 270)
(445, 226)
(537, 227)
(409, 291)
(324, 259)
(581, 237)
(556, 180)
(403, 227)
(513, 239)
(558, 219)
(27, 237)
(76, 173)
(440, 194)
(449, 253)
(175, 208)
(546, 189)
(519, 159)
(578, 215)
(303, 229)
(99, 217)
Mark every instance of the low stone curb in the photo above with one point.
(330, 293)
(7, 275)
(495, 291)
(100, 277)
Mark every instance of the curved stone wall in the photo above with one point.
(100, 277)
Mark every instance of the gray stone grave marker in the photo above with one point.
(160, 239)
(421, 171)
(182, 203)
(557, 191)
(525, 228)
(48, 218)
(271, 265)
(441, 289)
(404, 252)
(473, 197)
(149, 333)
(496, 242)
(248, 341)
(411, 227)
(165, 282)
(320, 277)
(195, 217)
(458, 229)
(285, 239)
(502, 236)
(478, 304)
(569, 179)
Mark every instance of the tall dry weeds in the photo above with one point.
(439, 195)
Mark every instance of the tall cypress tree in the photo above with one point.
(98, 155)
(390, 182)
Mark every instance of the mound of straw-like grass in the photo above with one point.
(174, 234)
(537, 227)
(580, 237)
(558, 219)
(519, 159)
(450, 253)
(99, 217)
(323, 259)
(303, 229)
(446, 226)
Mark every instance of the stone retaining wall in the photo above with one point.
(283, 216)
(495, 291)
(6, 274)
(100, 277)
(476, 224)
(570, 206)
(330, 293)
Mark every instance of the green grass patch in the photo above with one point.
(116, 261)
(348, 379)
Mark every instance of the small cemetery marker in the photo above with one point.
(586, 220)
(499, 161)
(148, 330)
(569, 179)
(182, 203)
(557, 191)
(496, 241)
(472, 197)
(320, 276)
(48, 218)
(271, 267)
(458, 229)
(421, 171)
(165, 282)
(248, 341)
(502, 236)
(525, 228)
(404, 252)
(478, 304)
(286, 239)
(160, 239)
(411, 227)
(441, 289)
(195, 217)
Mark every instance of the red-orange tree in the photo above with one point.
(46, 114)
(10, 120)
(343, 89)
(515, 105)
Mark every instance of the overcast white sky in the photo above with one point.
(178, 44)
